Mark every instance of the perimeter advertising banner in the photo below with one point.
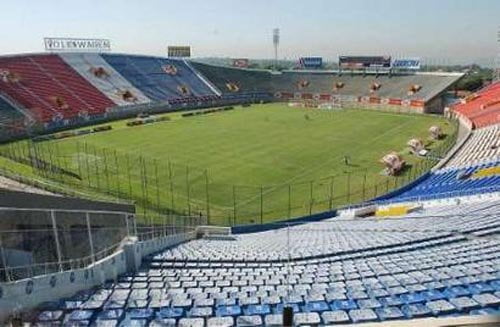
(179, 51)
(240, 63)
(76, 44)
(409, 64)
(311, 62)
(364, 62)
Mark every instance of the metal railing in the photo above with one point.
(430, 197)
(42, 241)
(168, 188)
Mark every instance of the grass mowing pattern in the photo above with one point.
(261, 163)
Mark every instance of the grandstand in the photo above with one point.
(428, 249)
(481, 108)
(421, 92)
(484, 144)
(69, 89)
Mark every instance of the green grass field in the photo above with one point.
(265, 162)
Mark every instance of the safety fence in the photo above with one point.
(161, 188)
(42, 241)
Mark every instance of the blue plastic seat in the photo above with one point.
(344, 305)
(81, 315)
(220, 322)
(441, 307)
(386, 313)
(335, 317)
(257, 309)
(138, 323)
(464, 303)
(51, 315)
(191, 322)
(479, 288)
(416, 310)
(316, 306)
(368, 304)
(167, 313)
(455, 291)
(112, 314)
(274, 320)
(306, 318)
(362, 315)
(229, 310)
(247, 321)
(225, 302)
(279, 308)
(141, 314)
(332, 296)
(411, 298)
(105, 323)
(200, 312)
(432, 295)
(486, 299)
(485, 311)
(163, 323)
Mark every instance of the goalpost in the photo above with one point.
(332, 104)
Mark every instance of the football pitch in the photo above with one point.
(251, 164)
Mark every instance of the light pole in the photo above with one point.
(276, 42)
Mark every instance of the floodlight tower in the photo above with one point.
(276, 42)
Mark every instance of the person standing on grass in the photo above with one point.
(347, 160)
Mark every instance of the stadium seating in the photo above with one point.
(9, 113)
(50, 89)
(247, 80)
(322, 82)
(481, 108)
(448, 182)
(155, 78)
(453, 270)
(109, 82)
(483, 145)
(12, 120)
(360, 85)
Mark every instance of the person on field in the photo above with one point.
(347, 160)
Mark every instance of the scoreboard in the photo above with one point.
(364, 62)
(179, 51)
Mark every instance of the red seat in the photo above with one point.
(43, 78)
(483, 109)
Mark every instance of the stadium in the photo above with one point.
(146, 190)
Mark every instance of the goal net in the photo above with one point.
(333, 104)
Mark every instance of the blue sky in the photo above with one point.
(447, 30)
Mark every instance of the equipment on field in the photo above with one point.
(393, 162)
(436, 132)
(417, 147)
